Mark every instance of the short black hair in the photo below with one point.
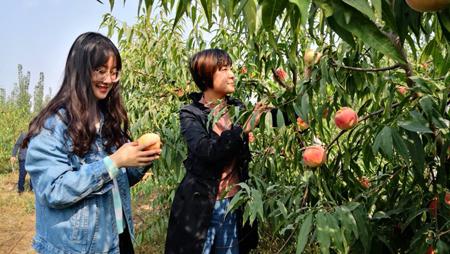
(205, 63)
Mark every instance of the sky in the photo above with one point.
(38, 34)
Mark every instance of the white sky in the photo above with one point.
(39, 33)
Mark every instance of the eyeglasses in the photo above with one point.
(101, 74)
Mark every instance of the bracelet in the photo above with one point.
(113, 170)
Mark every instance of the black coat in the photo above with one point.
(208, 154)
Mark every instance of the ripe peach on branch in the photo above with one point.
(281, 74)
(433, 206)
(302, 124)
(346, 118)
(428, 5)
(402, 89)
(314, 156)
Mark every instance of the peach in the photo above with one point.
(346, 118)
(244, 70)
(365, 183)
(281, 74)
(314, 156)
(308, 57)
(302, 124)
(447, 198)
(402, 89)
(150, 140)
(251, 137)
(433, 206)
(428, 5)
(430, 250)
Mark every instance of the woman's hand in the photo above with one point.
(253, 119)
(133, 155)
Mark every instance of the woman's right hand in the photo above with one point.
(133, 155)
(253, 119)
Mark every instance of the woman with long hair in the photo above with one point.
(80, 157)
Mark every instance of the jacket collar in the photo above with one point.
(196, 97)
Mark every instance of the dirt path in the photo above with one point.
(16, 217)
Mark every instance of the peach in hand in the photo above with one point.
(150, 140)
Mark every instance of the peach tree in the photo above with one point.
(383, 185)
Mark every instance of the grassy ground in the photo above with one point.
(17, 217)
(150, 219)
(18, 220)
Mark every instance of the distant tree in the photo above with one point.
(2, 96)
(39, 94)
(48, 96)
(23, 97)
(14, 94)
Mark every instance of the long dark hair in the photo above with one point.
(88, 52)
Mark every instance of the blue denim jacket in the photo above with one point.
(74, 204)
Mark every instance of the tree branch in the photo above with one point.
(367, 69)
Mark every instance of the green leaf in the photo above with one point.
(181, 10)
(384, 141)
(378, 7)
(271, 9)
(257, 204)
(305, 107)
(148, 6)
(268, 122)
(323, 232)
(303, 6)
(414, 126)
(399, 144)
(249, 12)
(207, 8)
(363, 28)
(344, 34)
(362, 6)
(347, 220)
(280, 119)
(305, 229)
(111, 4)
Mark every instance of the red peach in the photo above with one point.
(251, 137)
(402, 89)
(314, 156)
(302, 124)
(430, 250)
(428, 5)
(447, 198)
(346, 118)
(281, 74)
(433, 206)
(365, 183)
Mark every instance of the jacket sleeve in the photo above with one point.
(17, 145)
(199, 142)
(55, 181)
(136, 174)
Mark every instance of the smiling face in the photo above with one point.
(104, 78)
(223, 81)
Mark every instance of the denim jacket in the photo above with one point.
(73, 197)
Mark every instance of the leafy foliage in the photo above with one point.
(369, 48)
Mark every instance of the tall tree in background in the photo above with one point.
(48, 96)
(14, 94)
(39, 94)
(23, 97)
(2, 96)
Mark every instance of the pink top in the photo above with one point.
(228, 184)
